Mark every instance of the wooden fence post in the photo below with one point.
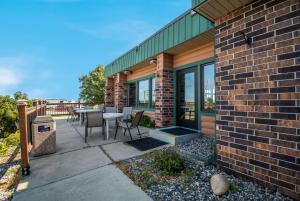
(21, 104)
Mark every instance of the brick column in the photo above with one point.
(164, 105)
(109, 92)
(120, 91)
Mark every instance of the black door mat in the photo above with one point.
(146, 143)
(178, 131)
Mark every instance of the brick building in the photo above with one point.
(229, 69)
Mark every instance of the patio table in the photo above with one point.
(84, 111)
(108, 117)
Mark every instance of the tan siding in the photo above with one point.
(193, 55)
(141, 72)
(207, 124)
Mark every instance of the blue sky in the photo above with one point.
(47, 44)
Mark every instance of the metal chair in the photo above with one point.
(110, 109)
(72, 115)
(100, 107)
(94, 119)
(128, 126)
(127, 114)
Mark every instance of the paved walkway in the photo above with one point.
(81, 171)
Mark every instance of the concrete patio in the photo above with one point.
(82, 171)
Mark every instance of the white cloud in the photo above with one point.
(10, 70)
(18, 72)
(8, 77)
(133, 31)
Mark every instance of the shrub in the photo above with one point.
(169, 162)
(147, 122)
(3, 148)
(13, 139)
(8, 114)
(234, 188)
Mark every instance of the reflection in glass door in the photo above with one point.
(186, 113)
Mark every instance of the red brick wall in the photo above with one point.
(258, 93)
(164, 91)
(120, 90)
(109, 92)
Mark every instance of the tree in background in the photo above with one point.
(92, 86)
(20, 95)
(8, 115)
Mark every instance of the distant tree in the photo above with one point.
(8, 115)
(92, 86)
(20, 95)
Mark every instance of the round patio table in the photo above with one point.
(108, 117)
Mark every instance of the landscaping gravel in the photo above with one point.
(196, 185)
(199, 189)
(198, 146)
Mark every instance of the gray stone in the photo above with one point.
(219, 184)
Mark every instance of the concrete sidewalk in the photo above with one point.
(80, 171)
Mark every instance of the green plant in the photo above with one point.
(169, 162)
(234, 188)
(13, 139)
(8, 115)
(3, 148)
(147, 122)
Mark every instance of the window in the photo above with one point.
(144, 98)
(208, 87)
(153, 93)
(142, 93)
(132, 94)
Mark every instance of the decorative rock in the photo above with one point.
(219, 184)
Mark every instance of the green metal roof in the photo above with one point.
(178, 31)
(197, 2)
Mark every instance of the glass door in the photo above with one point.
(186, 106)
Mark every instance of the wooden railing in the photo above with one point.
(56, 109)
(26, 117)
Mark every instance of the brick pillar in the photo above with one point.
(164, 105)
(120, 91)
(109, 92)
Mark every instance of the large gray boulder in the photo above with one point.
(219, 184)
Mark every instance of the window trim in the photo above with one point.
(136, 81)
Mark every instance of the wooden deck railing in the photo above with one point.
(26, 117)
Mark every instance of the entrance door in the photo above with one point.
(186, 108)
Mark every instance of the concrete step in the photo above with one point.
(159, 134)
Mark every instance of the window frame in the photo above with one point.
(137, 106)
(202, 66)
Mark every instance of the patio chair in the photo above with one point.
(127, 114)
(94, 119)
(100, 107)
(72, 115)
(111, 109)
(128, 126)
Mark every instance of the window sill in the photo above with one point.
(143, 108)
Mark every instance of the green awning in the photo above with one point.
(180, 30)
